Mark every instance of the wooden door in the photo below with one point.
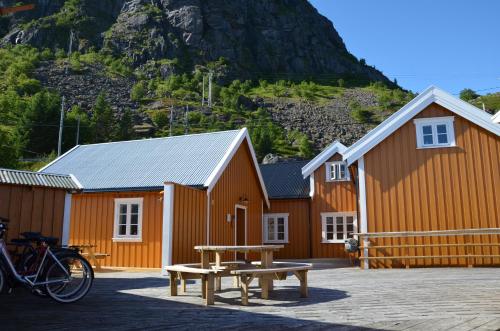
(241, 219)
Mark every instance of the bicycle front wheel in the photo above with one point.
(69, 280)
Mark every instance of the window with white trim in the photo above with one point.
(128, 219)
(336, 171)
(435, 132)
(338, 227)
(275, 228)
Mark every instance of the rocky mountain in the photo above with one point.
(258, 38)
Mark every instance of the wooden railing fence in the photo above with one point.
(466, 234)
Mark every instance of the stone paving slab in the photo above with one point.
(341, 298)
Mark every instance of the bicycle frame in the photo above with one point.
(32, 280)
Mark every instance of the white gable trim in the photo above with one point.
(496, 118)
(325, 155)
(396, 120)
(58, 158)
(233, 148)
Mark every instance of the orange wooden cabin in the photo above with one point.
(433, 165)
(36, 202)
(148, 202)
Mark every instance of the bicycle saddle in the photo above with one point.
(31, 235)
(51, 241)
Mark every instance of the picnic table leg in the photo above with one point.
(244, 290)
(209, 296)
(236, 282)
(265, 287)
(218, 260)
(266, 261)
(204, 286)
(173, 283)
(303, 284)
(183, 286)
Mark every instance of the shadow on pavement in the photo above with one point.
(143, 303)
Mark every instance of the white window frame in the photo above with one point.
(328, 166)
(265, 228)
(434, 122)
(344, 215)
(128, 237)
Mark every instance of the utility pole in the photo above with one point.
(186, 122)
(203, 93)
(210, 75)
(171, 119)
(78, 130)
(61, 121)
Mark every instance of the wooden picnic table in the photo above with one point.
(87, 250)
(266, 260)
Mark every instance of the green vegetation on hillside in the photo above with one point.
(29, 112)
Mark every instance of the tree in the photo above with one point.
(360, 114)
(305, 147)
(263, 142)
(468, 94)
(340, 82)
(37, 128)
(9, 152)
(138, 91)
(102, 119)
(125, 130)
(85, 134)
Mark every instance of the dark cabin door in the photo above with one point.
(240, 230)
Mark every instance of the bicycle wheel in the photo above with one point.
(70, 280)
(2, 280)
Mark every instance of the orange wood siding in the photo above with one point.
(238, 182)
(410, 189)
(189, 228)
(298, 246)
(329, 197)
(35, 209)
(92, 222)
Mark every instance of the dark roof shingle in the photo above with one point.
(284, 180)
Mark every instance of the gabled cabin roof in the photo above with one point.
(196, 160)
(325, 155)
(30, 178)
(284, 181)
(419, 103)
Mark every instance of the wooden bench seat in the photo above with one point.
(94, 257)
(278, 270)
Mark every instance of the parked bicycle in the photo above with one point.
(61, 273)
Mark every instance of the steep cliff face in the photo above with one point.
(258, 38)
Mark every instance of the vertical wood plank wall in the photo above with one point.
(92, 221)
(190, 220)
(36, 209)
(298, 246)
(410, 189)
(329, 197)
(239, 181)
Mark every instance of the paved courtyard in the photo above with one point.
(341, 298)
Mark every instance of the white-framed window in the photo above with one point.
(336, 171)
(128, 219)
(338, 227)
(275, 228)
(435, 132)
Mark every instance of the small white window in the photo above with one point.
(275, 228)
(435, 132)
(336, 171)
(338, 227)
(128, 219)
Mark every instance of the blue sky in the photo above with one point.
(452, 44)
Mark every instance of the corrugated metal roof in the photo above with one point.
(147, 163)
(29, 178)
(284, 180)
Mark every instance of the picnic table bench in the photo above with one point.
(210, 273)
(87, 251)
